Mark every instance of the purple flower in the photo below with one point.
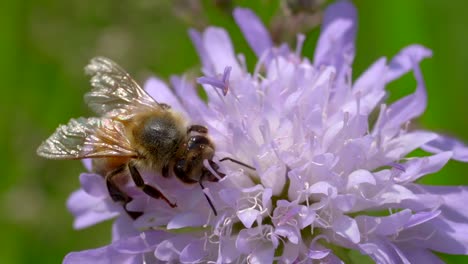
(327, 180)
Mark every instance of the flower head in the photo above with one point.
(326, 179)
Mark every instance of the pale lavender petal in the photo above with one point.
(127, 251)
(140, 243)
(94, 185)
(386, 225)
(359, 177)
(220, 51)
(123, 227)
(103, 255)
(317, 250)
(418, 167)
(400, 146)
(254, 31)
(186, 219)
(421, 217)
(290, 232)
(193, 252)
(441, 234)
(197, 41)
(290, 253)
(307, 217)
(454, 201)
(248, 216)
(243, 242)
(383, 251)
(88, 163)
(271, 180)
(371, 79)
(445, 143)
(418, 255)
(253, 241)
(228, 250)
(347, 227)
(324, 188)
(448, 232)
(262, 254)
(332, 259)
(89, 210)
(335, 46)
(159, 90)
(369, 88)
(169, 250)
(346, 202)
(192, 103)
(318, 254)
(408, 107)
(405, 60)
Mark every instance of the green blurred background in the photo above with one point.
(44, 45)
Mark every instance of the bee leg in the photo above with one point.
(208, 198)
(237, 162)
(117, 194)
(148, 189)
(197, 128)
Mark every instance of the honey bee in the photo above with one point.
(133, 131)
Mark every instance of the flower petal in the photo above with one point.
(262, 254)
(405, 61)
(445, 143)
(89, 210)
(94, 185)
(386, 225)
(335, 46)
(220, 51)
(419, 255)
(197, 41)
(404, 144)
(448, 232)
(193, 253)
(408, 107)
(418, 167)
(359, 177)
(421, 217)
(169, 249)
(347, 227)
(186, 219)
(103, 255)
(248, 216)
(383, 251)
(254, 31)
(88, 163)
(123, 227)
(371, 79)
(159, 90)
(140, 243)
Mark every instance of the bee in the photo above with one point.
(133, 131)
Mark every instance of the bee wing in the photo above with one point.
(115, 94)
(87, 138)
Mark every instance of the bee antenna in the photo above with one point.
(237, 162)
(208, 198)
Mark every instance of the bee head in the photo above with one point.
(190, 167)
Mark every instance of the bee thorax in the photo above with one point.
(159, 137)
